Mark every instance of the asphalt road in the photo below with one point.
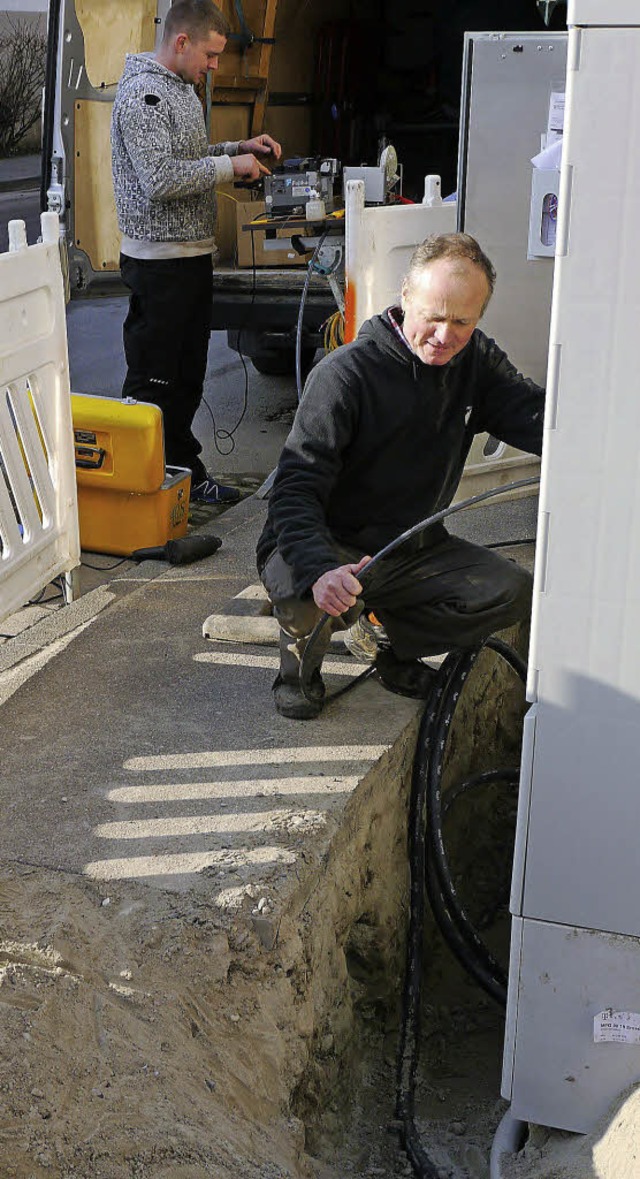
(23, 206)
(245, 417)
(256, 411)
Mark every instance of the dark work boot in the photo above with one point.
(290, 700)
(406, 677)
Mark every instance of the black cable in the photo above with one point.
(104, 568)
(478, 961)
(509, 655)
(481, 963)
(40, 598)
(307, 665)
(221, 435)
(510, 544)
(459, 931)
(508, 774)
(230, 434)
(429, 868)
(422, 1164)
(358, 679)
(442, 515)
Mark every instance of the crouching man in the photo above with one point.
(379, 443)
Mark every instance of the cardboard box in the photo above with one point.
(247, 211)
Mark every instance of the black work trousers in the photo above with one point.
(430, 599)
(166, 340)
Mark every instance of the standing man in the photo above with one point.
(165, 174)
(379, 443)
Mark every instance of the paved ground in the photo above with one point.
(135, 696)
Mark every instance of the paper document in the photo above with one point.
(555, 125)
(550, 158)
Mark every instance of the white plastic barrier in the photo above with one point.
(379, 241)
(39, 537)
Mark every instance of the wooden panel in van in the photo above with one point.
(112, 29)
(95, 225)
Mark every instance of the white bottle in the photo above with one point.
(315, 209)
(432, 191)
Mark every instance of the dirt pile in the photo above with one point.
(150, 1033)
(610, 1151)
(137, 1037)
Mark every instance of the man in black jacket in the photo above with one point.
(379, 443)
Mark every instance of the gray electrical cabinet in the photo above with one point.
(573, 1014)
(508, 83)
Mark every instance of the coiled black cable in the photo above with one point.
(430, 869)
(456, 926)
(430, 873)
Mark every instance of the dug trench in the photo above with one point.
(150, 1033)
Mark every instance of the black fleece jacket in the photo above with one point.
(379, 442)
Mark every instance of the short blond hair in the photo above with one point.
(197, 18)
(460, 246)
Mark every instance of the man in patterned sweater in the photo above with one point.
(164, 175)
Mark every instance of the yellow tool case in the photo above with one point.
(127, 498)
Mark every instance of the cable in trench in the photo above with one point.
(431, 877)
(430, 874)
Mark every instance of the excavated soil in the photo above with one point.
(151, 1033)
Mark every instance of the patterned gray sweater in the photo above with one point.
(164, 169)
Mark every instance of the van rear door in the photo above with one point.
(87, 44)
